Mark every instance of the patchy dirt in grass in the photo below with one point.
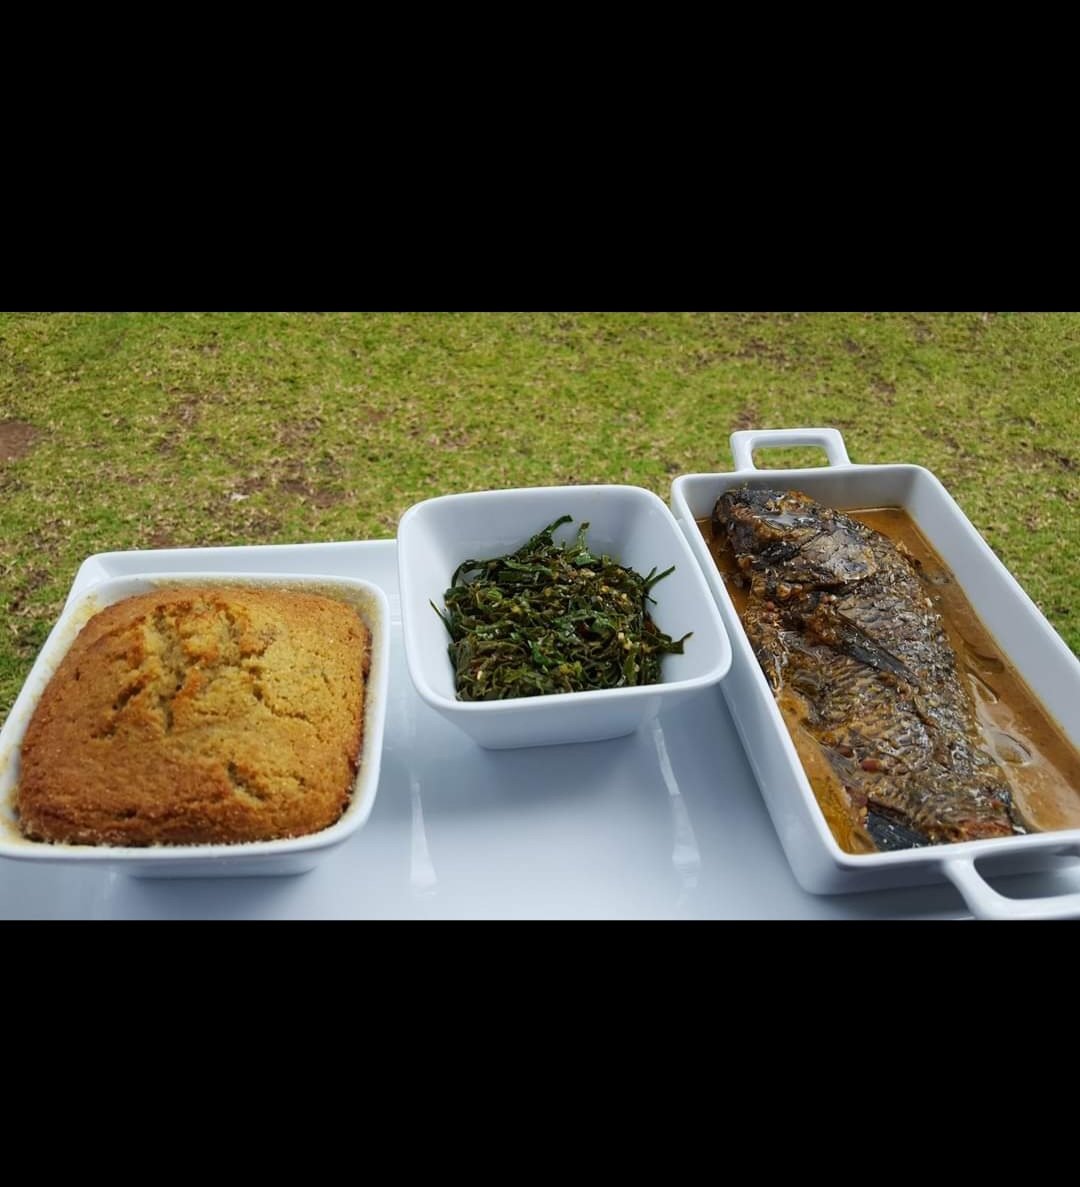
(746, 418)
(292, 477)
(29, 627)
(258, 527)
(316, 496)
(49, 538)
(16, 439)
(183, 417)
(884, 390)
(32, 580)
(923, 333)
(1060, 461)
(452, 442)
(980, 324)
(756, 348)
(299, 432)
(1036, 520)
(189, 410)
(329, 467)
(252, 486)
(705, 357)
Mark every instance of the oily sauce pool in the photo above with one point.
(1041, 766)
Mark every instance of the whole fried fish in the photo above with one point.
(838, 613)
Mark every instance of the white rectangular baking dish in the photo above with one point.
(1020, 630)
(291, 855)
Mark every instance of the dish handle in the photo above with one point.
(984, 902)
(745, 441)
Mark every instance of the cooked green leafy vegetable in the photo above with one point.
(551, 618)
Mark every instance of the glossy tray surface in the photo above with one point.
(665, 823)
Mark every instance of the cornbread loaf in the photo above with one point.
(197, 715)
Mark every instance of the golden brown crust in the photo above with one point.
(190, 716)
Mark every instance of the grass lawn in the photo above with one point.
(133, 430)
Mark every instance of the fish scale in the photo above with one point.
(839, 613)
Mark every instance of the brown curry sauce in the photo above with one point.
(1040, 764)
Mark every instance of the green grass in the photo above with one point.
(158, 430)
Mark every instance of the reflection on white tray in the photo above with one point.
(665, 823)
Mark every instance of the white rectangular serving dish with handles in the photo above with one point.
(1019, 629)
(289, 855)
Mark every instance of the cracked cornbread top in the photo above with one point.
(199, 715)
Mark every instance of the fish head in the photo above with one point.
(817, 547)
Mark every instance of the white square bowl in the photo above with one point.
(628, 523)
(291, 855)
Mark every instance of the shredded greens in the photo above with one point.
(551, 618)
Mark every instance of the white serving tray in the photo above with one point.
(665, 823)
